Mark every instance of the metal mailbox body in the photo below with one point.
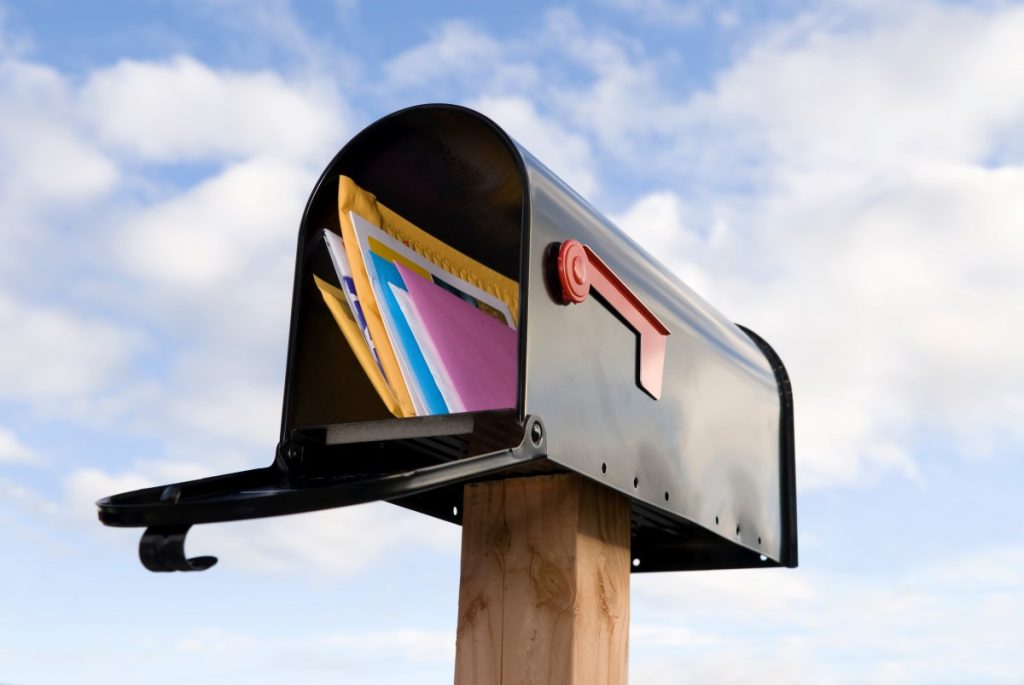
(708, 466)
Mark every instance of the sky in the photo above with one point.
(845, 177)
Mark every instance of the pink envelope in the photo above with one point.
(478, 352)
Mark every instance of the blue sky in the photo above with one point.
(845, 177)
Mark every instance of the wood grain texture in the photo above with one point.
(485, 541)
(544, 596)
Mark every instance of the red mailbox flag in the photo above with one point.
(579, 271)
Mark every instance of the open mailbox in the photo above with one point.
(623, 374)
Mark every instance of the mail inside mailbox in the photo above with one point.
(433, 330)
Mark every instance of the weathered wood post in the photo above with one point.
(544, 594)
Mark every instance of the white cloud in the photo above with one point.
(917, 85)
(84, 486)
(48, 159)
(241, 413)
(214, 261)
(658, 223)
(839, 189)
(660, 635)
(619, 98)
(748, 592)
(28, 499)
(892, 315)
(456, 48)
(736, 665)
(182, 110)
(227, 229)
(837, 197)
(49, 354)
(414, 645)
(333, 543)
(411, 645)
(269, 22)
(957, 621)
(214, 269)
(13, 450)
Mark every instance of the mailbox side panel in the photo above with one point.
(708, 451)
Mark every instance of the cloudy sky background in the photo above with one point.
(846, 177)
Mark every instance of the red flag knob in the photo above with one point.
(572, 272)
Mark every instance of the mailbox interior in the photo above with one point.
(446, 173)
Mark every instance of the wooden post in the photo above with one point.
(544, 595)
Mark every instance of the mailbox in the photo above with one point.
(625, 375)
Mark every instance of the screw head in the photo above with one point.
(536, 434)
(172, 493)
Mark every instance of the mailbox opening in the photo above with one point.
(459, 178)
(456, 177)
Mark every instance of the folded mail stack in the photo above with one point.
(434, 330)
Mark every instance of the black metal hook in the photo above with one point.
(162, 548)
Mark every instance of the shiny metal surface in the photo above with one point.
(708, 450)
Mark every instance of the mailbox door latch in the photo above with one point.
(580, 270)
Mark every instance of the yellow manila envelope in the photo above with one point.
(342, 313)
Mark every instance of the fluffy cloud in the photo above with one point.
(841, 201)
(183, 110)
(50, 354)
(414, 645)
(83, 487)
(206, 268)
(849, 188)
(335, 543)
(456, 48)
(753, 592)
(410, 645)
(12, 449)
(28, 500)
(955, 622)
(834, 295)
(47, 155)
(238, 412)
(219, 230)
(213, 268)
